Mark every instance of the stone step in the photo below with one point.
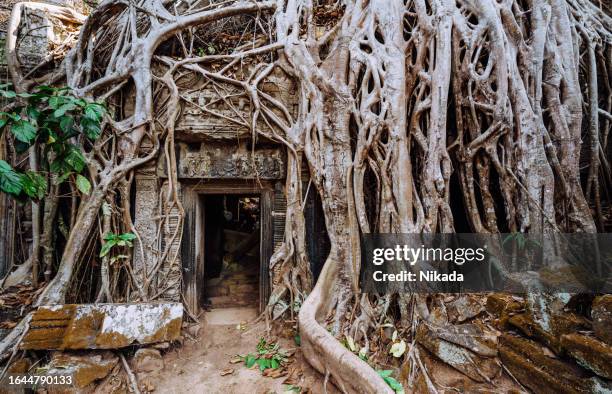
(216, 291)
(229, 301)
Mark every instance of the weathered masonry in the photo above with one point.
(232, 195)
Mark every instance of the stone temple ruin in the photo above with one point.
(231, 188)
(232, 191)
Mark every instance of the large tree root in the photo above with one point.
(325, 353)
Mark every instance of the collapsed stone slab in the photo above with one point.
(83, 368)
(102, 326)
(559, 324)
(473, 357)
(590, 353)
(601, 312)
(534, 367)
(503, 306)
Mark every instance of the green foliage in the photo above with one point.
(83, 184)
(10, 181)
(268, 356)
(112, 240)
(17, 184)
(520, 240)
(59, 122)
(394, 384)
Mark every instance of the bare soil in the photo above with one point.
(202, 364)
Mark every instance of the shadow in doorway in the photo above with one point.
(232, 235)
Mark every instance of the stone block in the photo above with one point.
(590, 352)
(83, 368)
(563, 323)
(601, 312)
(534, 367)
(477, 368)
(147, 360)
(102, 326)
(503, 306)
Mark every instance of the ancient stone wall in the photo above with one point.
(213, 144)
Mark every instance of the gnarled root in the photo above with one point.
(324, 352)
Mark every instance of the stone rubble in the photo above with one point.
(84, 368)
(147, 360)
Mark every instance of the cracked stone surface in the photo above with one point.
(103, 326)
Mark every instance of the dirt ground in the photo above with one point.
(199, 366)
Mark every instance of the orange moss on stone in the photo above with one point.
(590, 353)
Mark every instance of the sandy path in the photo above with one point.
(197, 366)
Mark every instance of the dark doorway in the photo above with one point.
(232, 236)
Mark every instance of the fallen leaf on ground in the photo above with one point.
(227, 371)
(275, 373)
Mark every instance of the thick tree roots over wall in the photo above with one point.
(402, 106)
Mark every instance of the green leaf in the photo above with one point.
(94, 111)
(127, 237)
(34, 185)
(106, 248)
(10, 181)
(83, 184)
(274, 363)
(298, 340)
(110, 237)
(249, 361)
(75, 159)
(66, 123)
(33, 113)
(91, 128)
(55, 102)
(395, 385)
(8, 94)
(263, 363)
(58, 113)
(24, 131)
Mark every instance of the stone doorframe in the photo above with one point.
(192, 246)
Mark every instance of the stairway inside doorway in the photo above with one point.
(231, 251)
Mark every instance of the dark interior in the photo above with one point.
(231, 250)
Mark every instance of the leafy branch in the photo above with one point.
(111, 240)
(57, 121)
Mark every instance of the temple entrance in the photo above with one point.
(228, 239)
(232, 238)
